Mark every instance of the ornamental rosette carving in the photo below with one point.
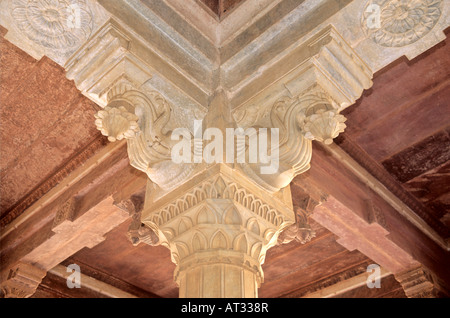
(117, 123)
(397, 23)
(54, 24)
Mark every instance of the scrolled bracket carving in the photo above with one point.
(137, 231)
(140, 233)
(311, 116)
(300, 232)
(143, 119)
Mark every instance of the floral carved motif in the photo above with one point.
(117, 123)
(53, 24)
(324, 126)
(397, 23)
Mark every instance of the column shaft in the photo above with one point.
(219, 280)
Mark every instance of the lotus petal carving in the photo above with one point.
(324, 126)
(117, 123)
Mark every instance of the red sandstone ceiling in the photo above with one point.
(400, 126)
(45, 125)
(403, 124)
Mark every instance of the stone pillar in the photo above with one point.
(218, 227)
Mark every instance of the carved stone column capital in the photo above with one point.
(218, 224)
(301, 231)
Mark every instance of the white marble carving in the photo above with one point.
(394, 23)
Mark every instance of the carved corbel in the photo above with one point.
(137, 231)
(418, 282)
(142, 119)
(314, 115)
(22, 282)
(301, 231)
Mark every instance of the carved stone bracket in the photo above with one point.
(22, 281)
(137, 232)
(303, 106)
(69, 233)
(417, 283)
(301, 231)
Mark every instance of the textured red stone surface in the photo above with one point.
(44, 122)
(403, 123)
(144, 266)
